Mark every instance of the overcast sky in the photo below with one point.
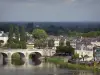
(49, 10)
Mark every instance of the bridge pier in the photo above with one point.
(26, 58)
(9, 59)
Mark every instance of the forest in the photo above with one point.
(87, 29)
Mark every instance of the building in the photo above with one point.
(97, 53)
(56, 43)
(4, 37)
(30, 43)
(83, 51)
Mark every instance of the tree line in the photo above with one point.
(16, 37)
(69, 29)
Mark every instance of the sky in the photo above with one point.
(50, 10)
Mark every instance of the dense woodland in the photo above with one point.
(58, 28)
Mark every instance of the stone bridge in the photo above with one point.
(26, 52)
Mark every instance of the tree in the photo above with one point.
(68, 43)
(40, 38)
(10, 36)
(30, 27)
(50, 43)
(40, 43)
(94, 48)
(84, 56)
(75, 56)
(17, 34)
(39, 34)
(22, 37)
(61, 43)
(65, 49)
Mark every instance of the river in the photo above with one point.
(38, 68)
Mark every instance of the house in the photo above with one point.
(57, 40)
(3, 37)
(97, 53)
(73, 44)
(30, 43)
(83, 51)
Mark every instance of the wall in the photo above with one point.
(85, 52)
(4, 39)
(95, 43)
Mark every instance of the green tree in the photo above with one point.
(61, 42)
(75, 56)
(40, 37)
(68, 43)
(84, 56)
(39, 34)
(10, 36)
(17, 34)
(40, 43)
(50, 43)
(66, 49)
(16, 39)
(22, 37)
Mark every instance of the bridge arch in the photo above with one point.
(21, 55)
(18, 58)
(4, 54)
(34, 55)
(3, 57)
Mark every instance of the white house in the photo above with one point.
(73, 44)
(3, 37)
(83, 51)
(56, 43)
(96, 43)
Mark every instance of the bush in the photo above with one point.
(62, 64)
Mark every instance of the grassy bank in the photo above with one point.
(63, 64)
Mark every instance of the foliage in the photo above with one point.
(68, 43)
(16, 56)
(23, 37)
(30, 27)
(74, 33)
(65, 49)
(39, 34)
(62, 64)
(61, 42)
(84, 56)
(72, 29)
(40, 38)
(91, 34)
(17, 34)
(75, 56)
(50, 43)
(40, 43)
(13, 40)
(16, 59)
(10, 36)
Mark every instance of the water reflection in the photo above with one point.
(36, 62)
(37, 67)
(4, 62)
(17, 62)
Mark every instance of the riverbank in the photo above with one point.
(61, 63)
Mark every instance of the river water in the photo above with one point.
(38, 68)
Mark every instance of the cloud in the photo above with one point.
(49, 10)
